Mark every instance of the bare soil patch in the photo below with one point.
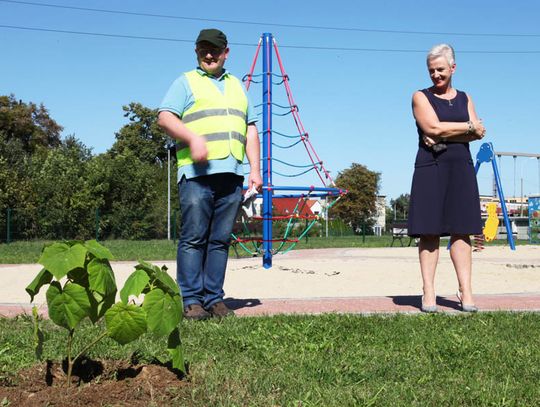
(94, 383)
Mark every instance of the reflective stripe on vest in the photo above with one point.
(219, 117)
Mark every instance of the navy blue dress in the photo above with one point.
(444, 195)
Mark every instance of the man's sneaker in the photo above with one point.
(220, 310)
(195, 312)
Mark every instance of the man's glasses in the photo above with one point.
(215, 52)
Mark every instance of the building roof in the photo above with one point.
(285, 206)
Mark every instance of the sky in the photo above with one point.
(353, 67)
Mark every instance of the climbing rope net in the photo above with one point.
(295, 219)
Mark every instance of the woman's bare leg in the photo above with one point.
(461, 255)
(428, 252)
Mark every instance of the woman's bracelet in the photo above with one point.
(470, 128)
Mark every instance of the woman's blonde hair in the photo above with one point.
(442, 50)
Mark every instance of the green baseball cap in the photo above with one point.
(213, 36)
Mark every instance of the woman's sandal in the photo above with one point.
(466, 307)
(430, 309)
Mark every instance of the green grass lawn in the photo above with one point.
(487, 359)
(21, 252)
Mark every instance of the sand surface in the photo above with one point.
(332, 273)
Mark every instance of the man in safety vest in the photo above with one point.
(208, 113)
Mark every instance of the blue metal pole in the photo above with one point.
(321, 195)
(307, 189)
(510, 237)
(267, 149)
(485, 155)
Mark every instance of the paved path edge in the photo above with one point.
(355, 305)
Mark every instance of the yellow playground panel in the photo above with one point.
(492, 222)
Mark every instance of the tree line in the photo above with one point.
(56, 188)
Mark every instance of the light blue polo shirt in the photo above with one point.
(179, 98)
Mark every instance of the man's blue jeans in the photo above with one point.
(209, 206)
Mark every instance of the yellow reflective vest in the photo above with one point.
(219, 117)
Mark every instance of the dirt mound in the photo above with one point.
(94, 383)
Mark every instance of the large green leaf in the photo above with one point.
(67, 306)
(43, 277)
(134, 285)
(149, 268)
(163, 311)
(176, 350)
(60, 258)
(125, 322)
(101, 276)
(99, 251)
(166, 282)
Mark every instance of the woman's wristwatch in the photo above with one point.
(470, 129)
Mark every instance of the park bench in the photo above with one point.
(399, 231)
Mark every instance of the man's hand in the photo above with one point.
(255, 180)
(176, 129)
(197, 147)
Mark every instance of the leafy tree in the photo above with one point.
(27, 132)
(66, 200)
(399, 208)
(142, 136)
(134, 200)
(54, 186)
(15, 170)
(15, 174)
(357, 208)
(28, 124)
(136, 165)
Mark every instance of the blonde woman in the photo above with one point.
(444, 194)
